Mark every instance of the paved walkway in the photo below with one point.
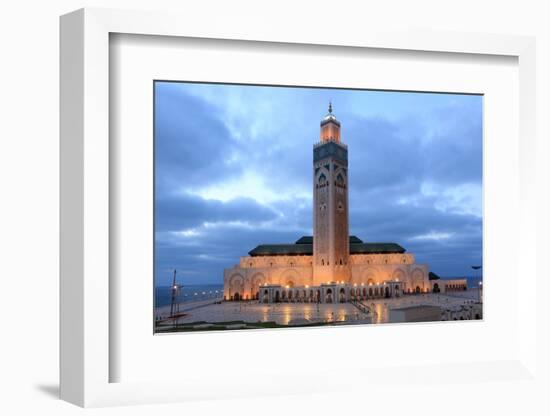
(281, 313)
(287, 313)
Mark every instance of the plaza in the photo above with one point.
(464, 305)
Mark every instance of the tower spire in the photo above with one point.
(330, 204)
(330, 127)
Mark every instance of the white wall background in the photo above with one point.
(29, 57)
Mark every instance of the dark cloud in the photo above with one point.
(192, 144)
(397, 155)
(180, 212)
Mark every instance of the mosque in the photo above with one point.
(331, 266)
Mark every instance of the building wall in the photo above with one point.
(413, 276)
(251, 272)
(449, 285)
(245, 278)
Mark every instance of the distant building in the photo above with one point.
(331, 266)
(448, 285)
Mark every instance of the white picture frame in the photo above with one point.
(86, 355)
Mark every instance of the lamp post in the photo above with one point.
(480, 284)
(480, 293)
(174, 305)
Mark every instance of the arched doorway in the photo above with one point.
(387, 292)
(342, 295)
(436, 288)
(417, 290)
(328, 296)
(265, 297)
(236, 287)
(277, 296)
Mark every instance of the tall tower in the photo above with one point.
(330, 204)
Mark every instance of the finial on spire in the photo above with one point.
(330, 107)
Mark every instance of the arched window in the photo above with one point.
(340, 182)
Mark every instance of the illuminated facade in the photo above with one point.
(331, 266)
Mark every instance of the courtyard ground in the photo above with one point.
(200, 315)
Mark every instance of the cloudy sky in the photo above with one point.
(233, 170)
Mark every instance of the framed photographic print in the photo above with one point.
(233, 187)
(300, 209)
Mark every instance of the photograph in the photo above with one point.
(292, 206)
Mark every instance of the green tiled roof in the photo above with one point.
(282, 250)
(433, 276)
(304, 247)
(369, 248)
(307, 239)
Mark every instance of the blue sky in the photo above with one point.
(233, 169)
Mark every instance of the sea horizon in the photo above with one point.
(187, 293)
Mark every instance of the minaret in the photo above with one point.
(330, 204)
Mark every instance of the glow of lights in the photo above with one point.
(286, 286)
(307, 286)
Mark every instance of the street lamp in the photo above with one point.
(480, 284)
